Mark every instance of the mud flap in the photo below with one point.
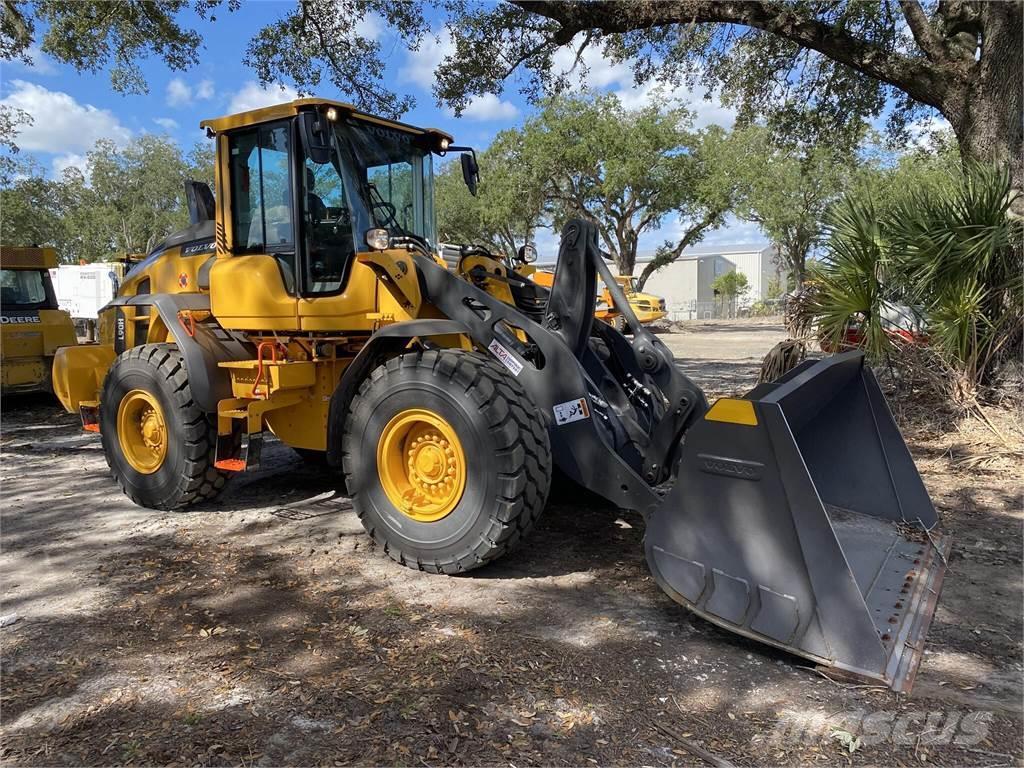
(798, 519)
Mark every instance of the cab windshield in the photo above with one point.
(377, 177)
(22, 289)
(396, 178)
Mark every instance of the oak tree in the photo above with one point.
(627, 171)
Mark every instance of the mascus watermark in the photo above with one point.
(910, 728)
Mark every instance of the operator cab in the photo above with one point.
(310, 178)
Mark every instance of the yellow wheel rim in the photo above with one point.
(421, 464)
(142, 431)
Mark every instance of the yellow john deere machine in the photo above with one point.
(308, 300)
(31, 325)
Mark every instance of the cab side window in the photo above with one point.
(261, 195)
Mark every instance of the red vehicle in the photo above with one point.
(901, 322)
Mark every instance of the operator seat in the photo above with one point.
(314, 203)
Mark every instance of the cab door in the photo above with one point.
(253, 282)
(338, 292)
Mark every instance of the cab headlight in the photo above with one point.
(378, 238)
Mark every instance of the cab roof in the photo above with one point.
(27, 258)
(290, 108)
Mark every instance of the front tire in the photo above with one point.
(446, 458)
(159, 445)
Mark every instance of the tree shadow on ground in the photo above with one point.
(215, 654)
(249, 633)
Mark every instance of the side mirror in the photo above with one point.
(527, 253)
(315, 137)
(470, 171)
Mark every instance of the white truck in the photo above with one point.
(83, 289)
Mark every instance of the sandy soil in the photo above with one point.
(265, 629)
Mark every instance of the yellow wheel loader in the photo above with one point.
(307, 300)
(31, 325)
(647, 307)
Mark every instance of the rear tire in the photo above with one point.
(185, 475)
(498, 432)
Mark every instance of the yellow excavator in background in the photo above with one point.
(32, 328)
(307, 300)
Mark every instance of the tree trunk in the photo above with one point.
(626, 261)
(799, 269)
(986, 109)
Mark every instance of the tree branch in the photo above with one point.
(919, 77)
(923, 31)
(693, 234)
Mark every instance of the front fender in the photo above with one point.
(389, 340)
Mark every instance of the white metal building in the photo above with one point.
(686, 283)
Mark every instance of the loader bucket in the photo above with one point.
(798, 519)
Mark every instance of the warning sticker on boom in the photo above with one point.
(571, 410)
(505, 357)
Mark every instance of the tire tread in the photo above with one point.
(202, 481)
(523, 448)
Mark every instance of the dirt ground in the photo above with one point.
(264, 629)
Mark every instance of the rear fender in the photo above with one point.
(203, 345)
(78, 373)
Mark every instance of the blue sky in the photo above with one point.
(72, 110)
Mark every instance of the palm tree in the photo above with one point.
(956, 254)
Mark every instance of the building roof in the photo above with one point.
(700, 251)
(690, 254)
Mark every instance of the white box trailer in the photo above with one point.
(83, 289)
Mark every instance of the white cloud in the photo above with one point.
(60, 124)
(420, 69)
(252, 96)
(593, 70)
(370, 26)
(41, 63)
(547, 241)
(69, 160)
(925, 133)
(204, 90)
(596, 71)
(421, 64)
(734, 232)
(490, 107)
(178, 92)
(166, 123)
(705, 112)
